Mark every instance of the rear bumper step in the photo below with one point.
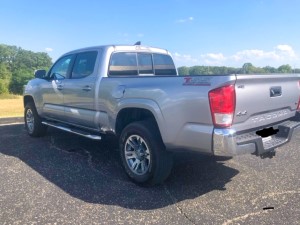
(228, 143)
(73, 130)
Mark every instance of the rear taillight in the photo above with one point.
(222, 105)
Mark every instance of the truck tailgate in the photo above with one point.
(265, 99)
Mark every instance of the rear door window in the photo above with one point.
(84, 64)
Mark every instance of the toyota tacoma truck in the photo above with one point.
(135, 94)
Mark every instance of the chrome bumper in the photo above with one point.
(226, 142)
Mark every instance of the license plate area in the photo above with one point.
(267, 133)
(265, 139)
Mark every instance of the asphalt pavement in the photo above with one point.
(66, 179)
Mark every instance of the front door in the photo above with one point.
(53, 88)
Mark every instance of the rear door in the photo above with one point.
(265, 99)
(79, 90)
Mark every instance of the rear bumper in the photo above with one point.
(226, 142)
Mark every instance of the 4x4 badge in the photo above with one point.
(241, 113)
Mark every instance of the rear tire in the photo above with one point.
(33, 122)
(143, 153)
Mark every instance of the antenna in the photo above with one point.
(138, 43)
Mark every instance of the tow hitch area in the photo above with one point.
(269, 154)
(267, 132)
(270, 138)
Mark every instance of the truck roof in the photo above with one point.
(135, 48)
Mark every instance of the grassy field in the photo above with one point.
(11, 106)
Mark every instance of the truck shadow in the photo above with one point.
(91, 171)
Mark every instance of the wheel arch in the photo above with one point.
(138, 111)
(27, 99)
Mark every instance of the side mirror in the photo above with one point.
(40, 74)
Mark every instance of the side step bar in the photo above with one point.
(74, 131)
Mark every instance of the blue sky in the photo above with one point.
(220, 33)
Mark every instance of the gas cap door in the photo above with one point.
(119, 91)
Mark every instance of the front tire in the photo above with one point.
(143, 153)
(33, 122)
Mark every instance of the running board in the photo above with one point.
(70, 130)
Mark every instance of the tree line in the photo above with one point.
(247, 68)
(17, 67)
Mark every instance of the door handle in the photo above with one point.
(87, 88)
(60, 87)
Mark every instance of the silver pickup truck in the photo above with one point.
(134, 93)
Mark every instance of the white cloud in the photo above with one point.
(216, 59)
(218, 56)
(49, 49)
(254, 54)
(140, 35)
(214, 56)
(189, 19)
(281, 54)
(184, 59)
(285, 50)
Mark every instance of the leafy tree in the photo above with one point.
(297, 71)
(21, 65)
(220, 70)
(285, 69)
(199, 70)
(5, 77)
(269, 69)
(30, 60)
(19, 78)
(212, 70)
(7, 54)
(248, 68)
(183, 70)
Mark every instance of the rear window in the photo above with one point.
(163, 65)
(145, 63)
(132, 64)
(123, 63)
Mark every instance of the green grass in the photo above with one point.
(11, 106)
